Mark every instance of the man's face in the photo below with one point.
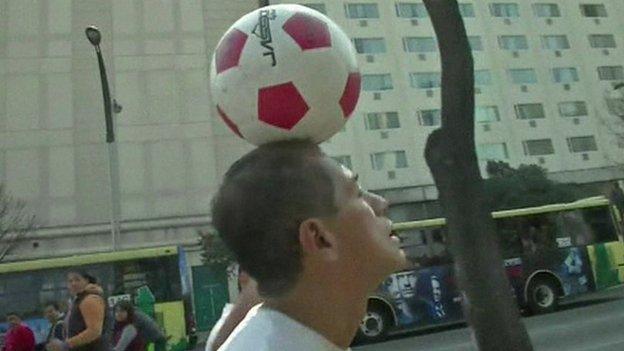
(13, 320)
(50, 313)
(363, 230)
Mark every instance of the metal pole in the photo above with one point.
(93, 34)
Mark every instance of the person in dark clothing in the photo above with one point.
(617, 197)
(125, 334)
(86, 318)
(56, 318)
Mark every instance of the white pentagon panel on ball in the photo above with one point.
(284, 72)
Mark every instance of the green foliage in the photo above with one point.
(526, 186)
(214, 249)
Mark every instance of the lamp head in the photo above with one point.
(93, 34)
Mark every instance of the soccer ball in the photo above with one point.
(284, 72)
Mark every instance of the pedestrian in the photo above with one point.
(314, 241)
(53, 314)
(617, 197)
(87, 317)
(125, 335)
(19, 337)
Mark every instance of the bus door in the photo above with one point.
(595, 227)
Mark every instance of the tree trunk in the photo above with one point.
(489, 307)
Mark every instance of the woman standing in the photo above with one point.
(125, 335)
(86, 319)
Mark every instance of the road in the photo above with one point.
(591, 324)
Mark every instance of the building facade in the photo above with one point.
(542, 72)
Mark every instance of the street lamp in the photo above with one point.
(94, 37)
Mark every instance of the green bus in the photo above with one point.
(158, 274)
(550, 252)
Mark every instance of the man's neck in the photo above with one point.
(333, 313)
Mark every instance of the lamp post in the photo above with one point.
(94, 37)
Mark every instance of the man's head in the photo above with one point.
(51, 312)
(13, 319)
(287, 202)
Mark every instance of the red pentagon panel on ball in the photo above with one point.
(233, 127)
(308, 31)
(351, 94)
(229, 51)
(281, 105)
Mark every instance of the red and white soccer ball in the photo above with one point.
(284, 72)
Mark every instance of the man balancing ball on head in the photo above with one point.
(296, 220)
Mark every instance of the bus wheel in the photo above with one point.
(374, 325)
(543, 296)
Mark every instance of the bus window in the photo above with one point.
(509, 237)
(573, 230)
(601, 226)
(414, 244)
(437, 249)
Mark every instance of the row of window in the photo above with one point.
(498, 9)
(397, 159)
(431, 80)
(483, 114)
(423, 45)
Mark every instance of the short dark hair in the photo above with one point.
(14, 314)
(127, 306)
(86, 276)
(53, 304)
(263, 199)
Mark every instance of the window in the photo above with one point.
(425, 80)
(513, 42)
(344, 160)
(382, 120)
(318, 7)
(587, 226)
(529, 111)
(373, 82)
(601, 40)
(611, 73)
(492, 151)
(411, 10)
(546, 10)
(504, 10)
(383, 160)
(420, 44)
(572, 108)
(369, 45)
(555, 42)
(466, 10)
(486, 114)
(522, 76)
(593, 10)
(565, 75)
(430, 118)
(538, 147)
(475, 43)
(482, 77)
(582, 144)
(362, 11)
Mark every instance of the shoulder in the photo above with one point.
(91, 301)
(265, 330)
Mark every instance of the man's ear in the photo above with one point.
(316, 239)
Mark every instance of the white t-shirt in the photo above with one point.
(264, 329)
(215, 330)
